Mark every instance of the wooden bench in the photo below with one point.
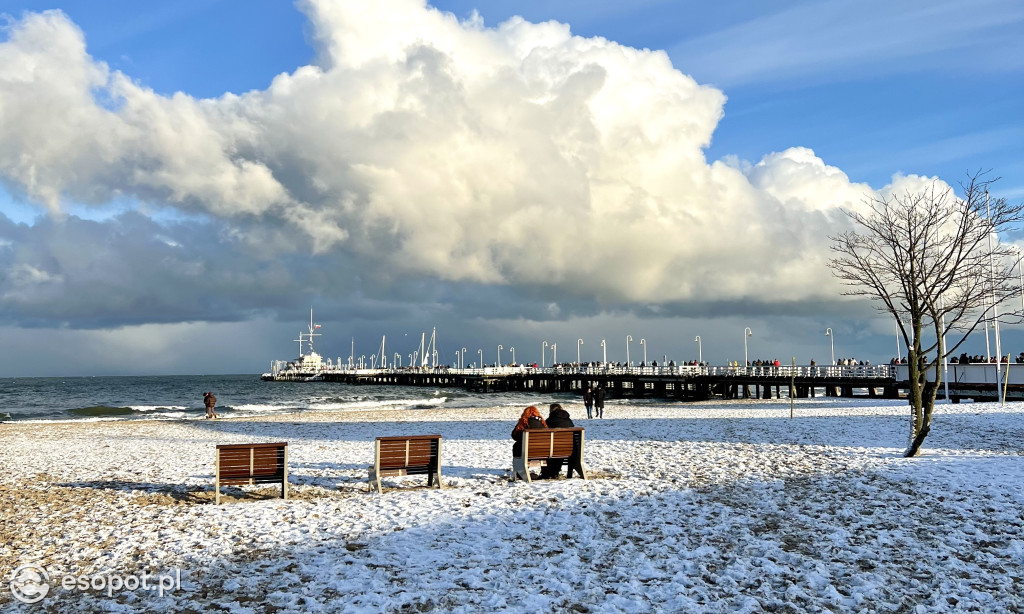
(251, 463)
(539, 445)
(406, 455)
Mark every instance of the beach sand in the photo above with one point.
(709, 507)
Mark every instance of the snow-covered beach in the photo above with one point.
(707, 507)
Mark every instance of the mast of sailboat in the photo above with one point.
(383, 355)
(311, 334)
(423, 355)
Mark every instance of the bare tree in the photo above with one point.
(934, 262)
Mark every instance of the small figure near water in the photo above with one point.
(210, 401)
(588, 400)
(599, 401)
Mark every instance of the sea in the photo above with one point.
(180, 397)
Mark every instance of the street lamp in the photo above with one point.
(628, 339)
(832, 339)
(554, 354)
(700, 357)
(543, 352)
(579, 342)
(643, 344)
(398, 361)
(462, 363)
(373, 361)
(412, 361)
(499, 354)
(746, 333)
(362, 361)
(604, 350)
(481, 358)
(513, 350)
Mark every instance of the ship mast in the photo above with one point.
(311, 334)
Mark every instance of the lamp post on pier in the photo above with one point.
(462, 363)
(513, 350)
(579, 342)
(832, 340)
(700, 357)
(543, 353)
(604, 353)
(481, 358)
(746, 333)
(628, 339)
(643, 344)
(554, 354)
(499, 354)
(398, 361)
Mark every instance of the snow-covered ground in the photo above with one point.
(710, 507)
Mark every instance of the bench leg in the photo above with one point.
(216, 496)
(519, 469)
(576, 464)
(374, 480)
(435, 476)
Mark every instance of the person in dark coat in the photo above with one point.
(599, 401)
(558, 418)
(588, 400)
(210, 402)
(531, 419)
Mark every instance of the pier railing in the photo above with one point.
(801, 371)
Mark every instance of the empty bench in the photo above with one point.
(406, 455)
(251, 463)
(542, 445)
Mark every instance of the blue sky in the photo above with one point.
(869, 90)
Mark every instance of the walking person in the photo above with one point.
(210, 401)
(588, 400)
(599, 401)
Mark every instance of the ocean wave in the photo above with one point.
(97, 411)
(147, 409)
(380, 404)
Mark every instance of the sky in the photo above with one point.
(181, 182)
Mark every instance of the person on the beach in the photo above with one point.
(558, 418)
(599, 401)
(531, 419)
(210, 401)
(588, 400)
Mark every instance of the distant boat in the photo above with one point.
(308, 367)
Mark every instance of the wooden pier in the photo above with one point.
(973, 382)
(684, 384)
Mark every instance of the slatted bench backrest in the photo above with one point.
(552, 443)
(251, 463)
(411, 455)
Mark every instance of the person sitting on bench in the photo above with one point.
(530, 419)
(557, 418)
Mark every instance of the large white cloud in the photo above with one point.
(517, 155)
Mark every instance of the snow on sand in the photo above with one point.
(714, 507)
